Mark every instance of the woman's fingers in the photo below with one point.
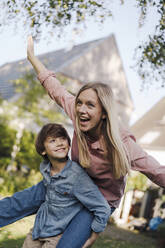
(91, 240)
(88, 243)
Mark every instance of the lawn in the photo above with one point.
(13, 235)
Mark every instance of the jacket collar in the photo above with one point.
(45, 167)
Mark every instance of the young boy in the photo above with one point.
(68, 189)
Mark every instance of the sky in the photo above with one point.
(124, 25)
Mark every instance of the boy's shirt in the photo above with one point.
(66, 193)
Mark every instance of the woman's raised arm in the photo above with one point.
(49, 81)
(36, 63)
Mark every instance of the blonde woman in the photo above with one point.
(106, 150)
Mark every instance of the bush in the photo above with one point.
(161, 232)
(14, 182)
(161, 229)
(7, 138)
(27, 154)
(16, 179)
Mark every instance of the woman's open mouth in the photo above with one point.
(84, 119)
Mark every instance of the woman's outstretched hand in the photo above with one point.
(30, 47)
(91, 240)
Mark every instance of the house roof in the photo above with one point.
(150, 129)
(55, 61)
(64, 61)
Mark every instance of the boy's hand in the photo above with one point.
(91, 240)
(30, 47)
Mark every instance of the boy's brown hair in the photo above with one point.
(50, 130)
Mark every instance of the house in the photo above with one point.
(97, 60)
(149, 131)
(150, 134)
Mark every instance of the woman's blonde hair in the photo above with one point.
(116, 149)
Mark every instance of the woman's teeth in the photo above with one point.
(83, 120)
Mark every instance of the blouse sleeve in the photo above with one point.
(144, 163)
(58, 92)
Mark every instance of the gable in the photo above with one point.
(150, 129)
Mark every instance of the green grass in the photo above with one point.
(13, 236)
(106, 242)
(115, 237)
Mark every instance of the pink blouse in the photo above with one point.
(101, 169)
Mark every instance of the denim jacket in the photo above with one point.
(21, 204)
(66, 193)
